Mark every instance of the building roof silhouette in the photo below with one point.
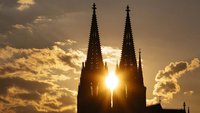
(157, 108)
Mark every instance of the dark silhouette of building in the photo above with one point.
(130, 96)
(93, 96)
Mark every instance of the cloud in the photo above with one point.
(188, 92)
(152, 101)
(167, 80)
(42, 32)
(36, 35)
(65, 42)
(19, 26)
(7, 83)
(35, 61)
(111, 55)
(39, 95)
(25, 4)
(29, 79)
(42, 19)
(39, 23)
(55, 100)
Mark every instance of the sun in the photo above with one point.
(112, 81)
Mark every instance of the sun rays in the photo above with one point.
(111, 83)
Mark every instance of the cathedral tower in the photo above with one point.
(130, 97)
(91, 89)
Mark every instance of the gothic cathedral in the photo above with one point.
(130, 96)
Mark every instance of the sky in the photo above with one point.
(43, 42)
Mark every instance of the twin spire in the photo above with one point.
(128, 58)
(94, 55)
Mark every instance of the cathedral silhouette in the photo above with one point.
(130, 95)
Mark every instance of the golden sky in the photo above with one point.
(43, 42)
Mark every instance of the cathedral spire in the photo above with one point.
(128, 58)
(184, 105)
(94, 56)
(140, 72)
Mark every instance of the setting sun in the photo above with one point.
(112, 81)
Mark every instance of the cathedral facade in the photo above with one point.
(130, 96)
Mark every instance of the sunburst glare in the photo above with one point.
(112, 81)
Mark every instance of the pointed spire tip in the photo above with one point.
(127, 8)
(184, 105)
(94, 6)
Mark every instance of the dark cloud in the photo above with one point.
(68, 60)
(40, 35)
(12, 69)
(26, 109)
(29, 96)
(10, 15)
(171, 69)
(31, 86)
(4, 101)
(39, 24)
(65, 101)
(39, 96)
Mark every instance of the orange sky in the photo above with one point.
(166, 31)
